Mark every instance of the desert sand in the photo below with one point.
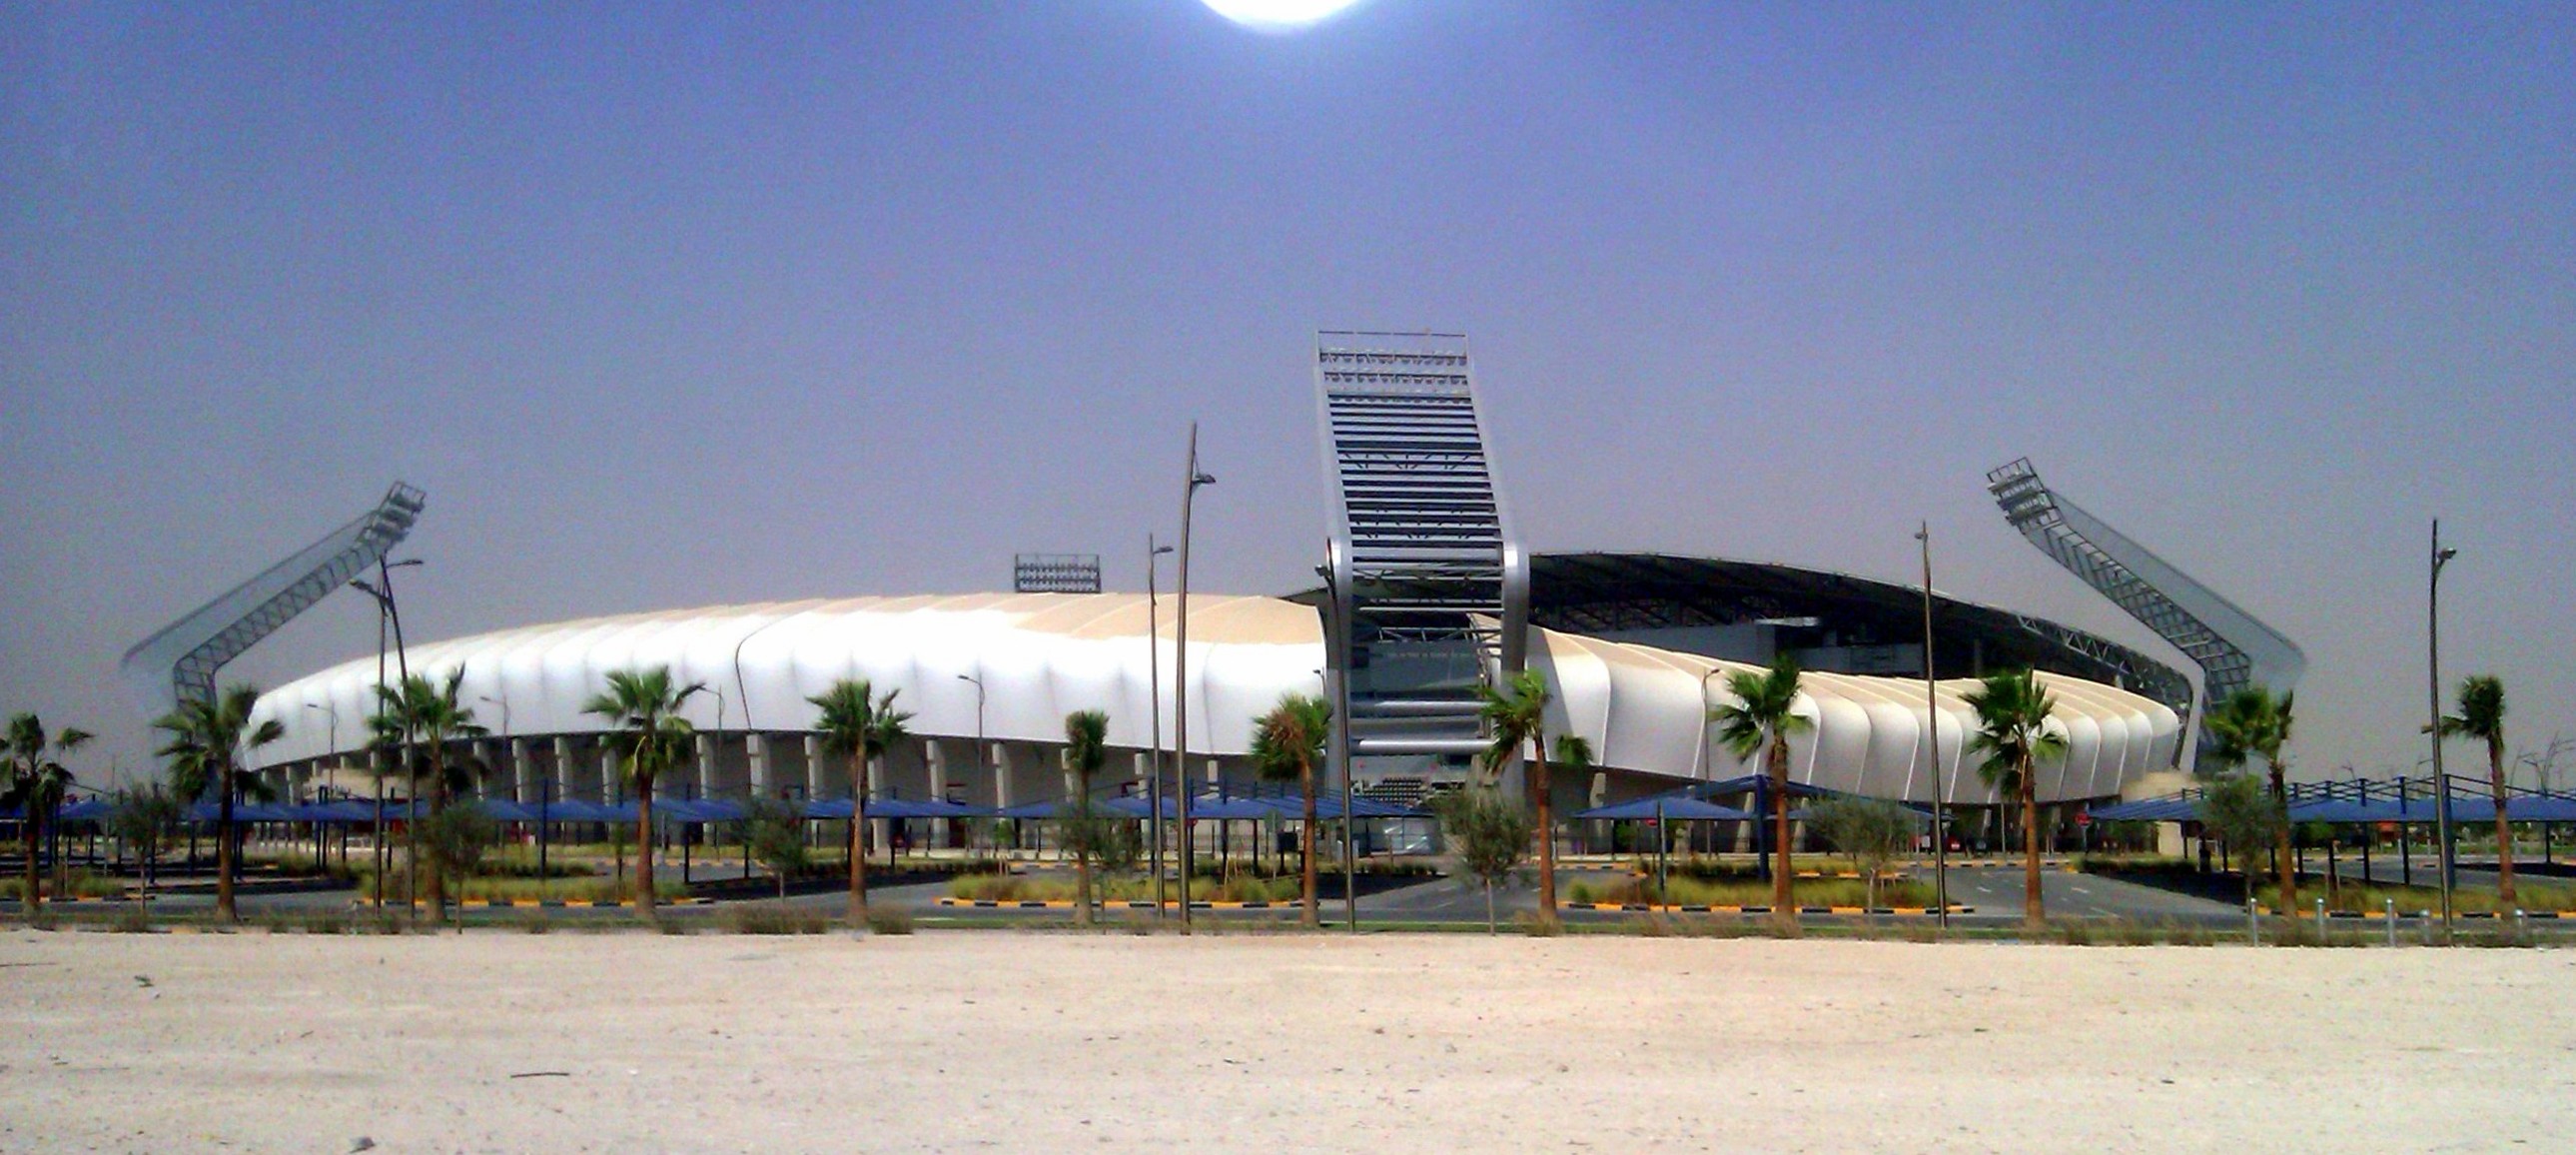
(1018, 1041)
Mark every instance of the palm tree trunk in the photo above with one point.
(2504, 830)
(29, 900)
(644, 895)
(438, 856)
(858, 840)
(1546, 831)
(2281, 848)
(1306, 843)
(1082, 857)
(2034, 909)
(224, 911)
(1784, 905)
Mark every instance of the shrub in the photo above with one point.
(889, 920)
(326, 922)
(775, 918)
(1529, 923)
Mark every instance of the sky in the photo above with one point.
(670, 305)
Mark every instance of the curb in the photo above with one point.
(1653, 908)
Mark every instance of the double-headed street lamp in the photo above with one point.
(386, 611)
(1193, 479)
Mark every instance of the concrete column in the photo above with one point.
(706, 765)
(756, 747)
(523, 772)
(1001, 775)
(562, 770)
(607, 775)
(813, 767)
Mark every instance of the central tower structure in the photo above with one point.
(1427, 588)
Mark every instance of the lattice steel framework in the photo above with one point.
(1429, 587)
(2232, 648)
(185, 655)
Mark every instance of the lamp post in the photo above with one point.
(1193, 478)
(1932, 737)
(979, 721)
(2433, 670)
(1154, 699)
(386, 610)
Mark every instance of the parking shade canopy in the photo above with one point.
(1676, 808)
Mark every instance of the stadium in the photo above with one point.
(1426, 597)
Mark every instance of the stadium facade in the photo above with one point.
(1426, 596)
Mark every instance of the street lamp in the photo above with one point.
(2433, 669)
(1154, 697)
(979, 715)
(1932, 738)
(1193, 479)
(386, 610)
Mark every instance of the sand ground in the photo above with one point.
(1018, 1041)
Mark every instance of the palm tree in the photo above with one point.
(428, 716)
(1518, 715)
(2252, 723)
(1086, 747)
(2481, 717)
(207, 739)
(36, 786)
(1287, 742)
(650, 737)
(860, 728)
(1760, 719)
(2013, 714)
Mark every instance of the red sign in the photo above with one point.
(2084, 818)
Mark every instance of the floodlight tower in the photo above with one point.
(181, 658)
(2232, 648)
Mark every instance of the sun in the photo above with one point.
(1277, 15)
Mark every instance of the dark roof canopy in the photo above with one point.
(1594, 593)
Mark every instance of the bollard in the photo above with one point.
(2253, 923)
(2521, 928)
(2321, 922)
(2392, 922)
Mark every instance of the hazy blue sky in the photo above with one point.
(670, 305)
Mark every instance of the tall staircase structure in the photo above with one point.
(183, 657)
(2231, 647)
(1427, 588)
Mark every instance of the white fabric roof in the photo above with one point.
(1041, 656)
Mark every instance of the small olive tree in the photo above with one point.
(453, 840)
(2244, 815)
(1872, 831)
(775, 833)
(1487, 835)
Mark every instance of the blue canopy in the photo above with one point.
(838, 809)
(1678, 808)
